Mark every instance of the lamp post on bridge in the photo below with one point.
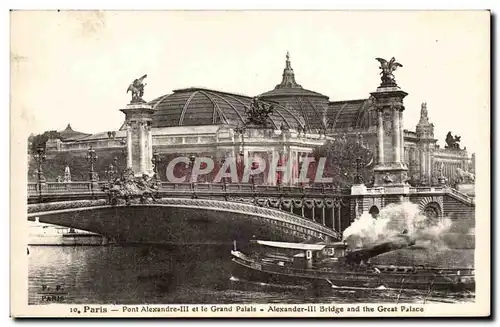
(91, 158)
(40, 158)
(358, 179)
(115, 164)
(110, 173)
(222, 161)
(155, 160)
(192, 158)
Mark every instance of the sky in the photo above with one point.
(75, 66)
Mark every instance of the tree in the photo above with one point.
(341, 155)
(41, 139)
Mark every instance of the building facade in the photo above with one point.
(204, 122)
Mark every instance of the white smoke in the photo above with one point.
(393, 220)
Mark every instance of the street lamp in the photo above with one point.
(110, 173)
(280, 164)
(253, 167)
(191, 165)
(155, 160)
(222, 161)
(115, 164)
(91, 158)
(40, 158)
(358, 179)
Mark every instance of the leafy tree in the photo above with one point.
(341, 155)
(41, 139)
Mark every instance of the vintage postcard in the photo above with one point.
(250, 163)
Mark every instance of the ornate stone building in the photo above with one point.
(204, 122)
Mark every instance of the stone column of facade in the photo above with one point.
(396, 138)
(380, 137)
(142, 146)
(402, 138)
(339, 224)
(423, 175)
(333, 218)
(129, 145)
(150, 148)
(323, 215)
(429, 164)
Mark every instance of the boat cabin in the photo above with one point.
(298, 255)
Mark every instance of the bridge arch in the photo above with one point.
(181, 220)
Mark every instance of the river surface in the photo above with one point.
(141, 274)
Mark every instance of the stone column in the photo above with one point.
(129, 145)
(333, 217)
(323, 215)
(402, 136)
(339, 227)
(142, 147)
(429, 164)
(396, 138)
(138, 116)
(380, 137)
(150, 147)
(422, 165)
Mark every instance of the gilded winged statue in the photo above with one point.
(388, 67)
(137, 89)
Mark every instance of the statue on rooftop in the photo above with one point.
(137, 89)
(452, 142)
(258, 112)
(388, 67)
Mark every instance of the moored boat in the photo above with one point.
(335, 266)
(47, 234)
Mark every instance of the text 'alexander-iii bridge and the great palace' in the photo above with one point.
(200, 165)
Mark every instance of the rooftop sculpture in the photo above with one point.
(258, 112)
(388, 67)
(452, 142)
(137, 89)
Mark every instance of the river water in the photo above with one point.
(141, 274)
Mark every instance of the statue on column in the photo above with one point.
(137, 89)
(423, 110)
(388, 67)
(67, 174)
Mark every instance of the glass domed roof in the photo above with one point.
(199, 106)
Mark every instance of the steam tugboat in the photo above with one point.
(336, 266)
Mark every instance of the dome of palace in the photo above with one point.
(199, 106)
(311, 106)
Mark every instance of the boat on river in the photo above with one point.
(47, 234)
(336, 266)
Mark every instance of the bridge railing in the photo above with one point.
(61, 188)
(460, 195)
(242, 188)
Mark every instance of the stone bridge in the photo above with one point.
(330, 209)
(325, 205)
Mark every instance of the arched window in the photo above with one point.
(374, 212)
